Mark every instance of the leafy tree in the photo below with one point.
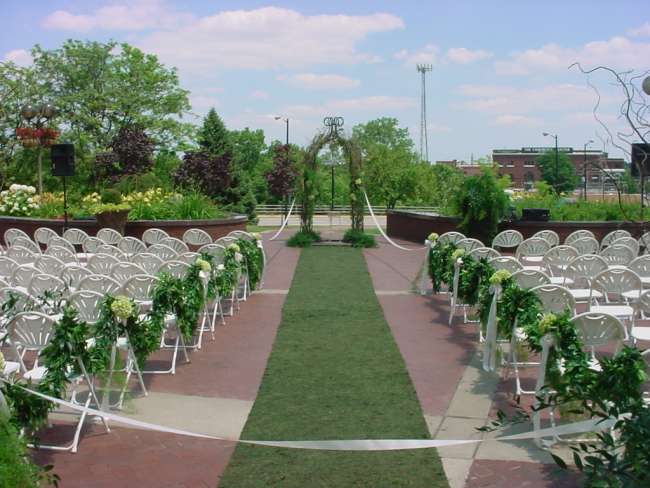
(561, 175)
(481, 203)
(390, 171)
(437, 185)
(206, 172)
(248, 149)
(213, 136)
(132, 154)
(282, 177)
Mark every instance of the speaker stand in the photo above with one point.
(65, 205)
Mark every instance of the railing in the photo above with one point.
(340, 209)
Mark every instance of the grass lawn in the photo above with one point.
(335, 373)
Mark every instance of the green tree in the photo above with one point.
(213, 136)
(390, 171)
(560, 173)
(437, 185)
(481, 203)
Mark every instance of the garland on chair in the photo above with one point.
(253, 260)
(614, 391)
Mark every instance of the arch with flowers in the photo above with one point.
(307, 184)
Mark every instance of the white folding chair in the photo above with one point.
(154, 236)
(176, 244)
(131, 246)
(62, 254)
(215, 250)
(90, 245)
(641, 266)
(555, 299)
(42, 235)
(147, 261)
(178, 269)
(451, 236)
(469, 244)
(578, 234)
(50, 264)
(642, 310)
(21, 255)
(42, 283)
(188, 257)
(612, 236)
(72, 276)
(100, 283)
(22, 275)
(581, 271)
(586, 245)
(11, 234)
(196, 237)
(33, 331)
(112, 251)
(620, 288)
(164, 252)
(76, 237)
(61, 242)
(124, 270)
(484, 253)
(27, 243)
(101, 263)
(508, 263)
(549, 236)
(531, 252)
(109, 236)
(617, 255)
(556, 260)
(630, 242)
(7, 266)
(507, 239)
(530, 278)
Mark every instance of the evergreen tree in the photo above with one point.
(213, 137)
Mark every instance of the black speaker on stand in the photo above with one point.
(62, 156)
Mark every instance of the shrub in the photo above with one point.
(19, 201)
(211, 174)
(111, 196)
(303, 239)
(481, 202)
(359, 239)
(16, 470)
(132, 154)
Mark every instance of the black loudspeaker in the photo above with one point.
(640, 159)
(535, 214)
(62, 156)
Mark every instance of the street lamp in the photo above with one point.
(38, 116)
(557, 163)
(584, 169)
(286, 121)
(286, 197)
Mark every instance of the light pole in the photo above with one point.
(584, 169)
(557, 163)
(286, 197)
(39, 136)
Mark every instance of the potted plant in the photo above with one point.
(111, 212)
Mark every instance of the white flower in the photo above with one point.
(238, 257)
(14, 187)
(220, 267)
(2, 363)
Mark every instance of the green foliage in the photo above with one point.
(303, 239)
(213, 136)
(359, 238)
(441, 266)
(390, 171)
(562, 209)
(481, 203)
(437, 186)
(558, 171)
(111, 196)
(16, 469)
(253, 260)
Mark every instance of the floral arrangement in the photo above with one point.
(149, 197)
(122, 307)
(499, 277)
(433, 237)
(2, 362)
(457, 254)
(30, 137)
(205, 266)
(18, 200)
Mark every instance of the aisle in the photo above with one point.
(334, 373)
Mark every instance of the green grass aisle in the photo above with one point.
(335, 373)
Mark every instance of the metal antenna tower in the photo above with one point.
(424, 138)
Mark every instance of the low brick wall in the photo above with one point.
(416, 227)
(175, 228)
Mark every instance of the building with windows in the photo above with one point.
(521, 164)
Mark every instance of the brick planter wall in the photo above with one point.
(175, 228)
(416, 227)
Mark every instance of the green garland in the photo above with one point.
(253, 259)
(441, 268)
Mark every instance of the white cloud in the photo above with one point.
(267, 38)
(259, 95)
(426, 55)
(617, 53)
(502, 99)
(371, 104)
(641, 31)
(312, 81)
(135, 15)
(19, 56)
(463, 55)
(517, 120)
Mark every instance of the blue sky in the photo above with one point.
(499, 76)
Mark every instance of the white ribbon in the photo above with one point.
(381, 231)
(490, 344)
(285, 220)
(338, 445)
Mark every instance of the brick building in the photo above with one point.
(521, 165)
